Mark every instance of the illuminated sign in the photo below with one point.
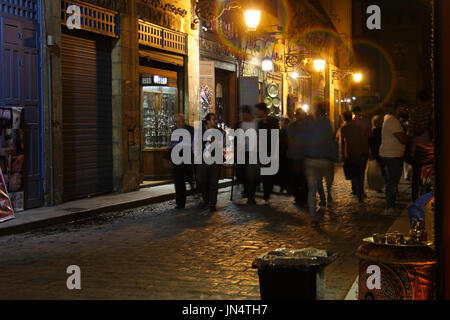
(154, 80)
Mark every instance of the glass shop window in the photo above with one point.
(159, 105)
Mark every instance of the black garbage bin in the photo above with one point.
(291, 274)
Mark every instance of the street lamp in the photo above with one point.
(204, 10)
(294, 75)
(252, 18)
(267, 64)
(319, 65)
(357, 77)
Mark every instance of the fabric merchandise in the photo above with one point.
(12, 149)
(6, 208)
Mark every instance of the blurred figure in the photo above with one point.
(268, 123)
(298, 185)
(392, 151)
(182, 172)
(283, 173)
(320, 153)
(353, 148)
(208, 175)
(247, 173)
(420, 126)
(375, 141)
(365, 126)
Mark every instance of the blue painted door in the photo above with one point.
(20, 69)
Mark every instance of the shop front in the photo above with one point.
(21, 156)
(218, 78)
(162, 60)
(86, 84)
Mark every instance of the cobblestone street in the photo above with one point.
(157, 252)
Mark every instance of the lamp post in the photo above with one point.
(319, 65)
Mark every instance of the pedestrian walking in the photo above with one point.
(248, 172)
(353, 149)
(320, 153)
(182, 172)
(282, 178)
(375, 144)
(298, 185)
(208, 175)
(366, 128)
(392, 151)
(267, 123)
(420, 132)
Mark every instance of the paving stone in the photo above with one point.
(156, 252)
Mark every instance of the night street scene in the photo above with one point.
(224, 150)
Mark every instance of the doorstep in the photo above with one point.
(81, 209)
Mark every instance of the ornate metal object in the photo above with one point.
(206, 11)
(341, 74)
(292, 60)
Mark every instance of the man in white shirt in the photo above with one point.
(392, 150)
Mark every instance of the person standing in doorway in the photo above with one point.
(365, 126)
(268, 123)
(392, 151)
(182, 172)
(208, 175)
(353, 145)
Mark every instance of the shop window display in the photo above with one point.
(159, 104)
(12, 154)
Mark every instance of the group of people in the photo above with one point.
(402, 136)
(307, 153)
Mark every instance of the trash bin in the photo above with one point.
(291, 274)
(390, 268)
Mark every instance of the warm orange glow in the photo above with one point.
(252, 19)
(319, 65)
(357, 77)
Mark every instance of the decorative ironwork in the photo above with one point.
(292, 60)
(92, 18)
(158, 4)
(162, 38)
(340, 74)
(204, 10)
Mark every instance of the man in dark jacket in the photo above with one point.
(208, 175)
(298, 184)
(353, 148)
(268, 123)
(182, 172)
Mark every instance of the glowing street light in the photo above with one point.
(267, 65)
(252, 18)
(305, 107)
(357, 77)
(319, 65)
